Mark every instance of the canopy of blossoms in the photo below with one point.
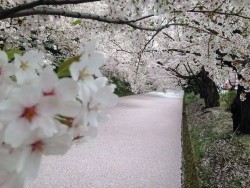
(44, 110)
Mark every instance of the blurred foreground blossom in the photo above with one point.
(42, 114)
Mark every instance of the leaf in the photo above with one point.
(63, 70)
(76, 22)
(11, 53)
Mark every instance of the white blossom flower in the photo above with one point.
(84, 125)
(79, 127)
(64, 90)
(28, 65)
(41, 114)
(89, 63)
(100, 100)
(91, 59)
(83, 71)
(26, 111)
(30, 154)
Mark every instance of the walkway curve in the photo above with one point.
(139, 147)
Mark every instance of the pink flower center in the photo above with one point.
(29, 113)
(68, 121)
(52, 92)
(37, 146)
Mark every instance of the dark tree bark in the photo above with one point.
(240, 109)
(202, 84)
(241, 112)
(208, 90)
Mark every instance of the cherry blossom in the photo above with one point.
(28, 65)
(42, 114)
(25, 112)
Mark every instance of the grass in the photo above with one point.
(190, 98)
(197, 145)
(190, 175)
(221, 157)
(246, 140)
(226, 99)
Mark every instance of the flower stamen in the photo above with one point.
(50, 93)
(29, 113)
(24, 66)
(37, 146)
(83, 74)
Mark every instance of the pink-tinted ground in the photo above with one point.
(139, 147)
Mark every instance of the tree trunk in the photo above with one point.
(208, 90)
(241, 113)
(202, 84)
(210, 93)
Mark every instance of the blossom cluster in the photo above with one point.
(43, 114)
(195, 31)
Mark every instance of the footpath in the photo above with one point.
(139, 147)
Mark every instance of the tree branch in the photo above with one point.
(120, 48)
(222, 13)
(8, 12)
(175, 50)
(59, 12)
(168, 36)
(176, 73)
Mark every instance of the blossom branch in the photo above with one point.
(166, 34)
(222, 13)
(58, 12)
(8, 12)
(176, 73)
(120, 48)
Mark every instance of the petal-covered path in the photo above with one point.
(139, 147)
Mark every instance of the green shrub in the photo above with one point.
(226, 99)
(123, 88)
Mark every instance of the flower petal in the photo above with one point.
(58, 145)
(67, 89)
(16, 132)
